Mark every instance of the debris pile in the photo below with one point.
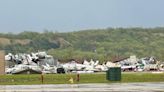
(30, 63)
(40, 62)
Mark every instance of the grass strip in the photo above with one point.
(84, 78)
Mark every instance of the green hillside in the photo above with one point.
(103, 44)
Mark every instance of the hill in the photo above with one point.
(103, 44)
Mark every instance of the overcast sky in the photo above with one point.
(73, 15)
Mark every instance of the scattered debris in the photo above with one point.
(35, 62)
(40, 62)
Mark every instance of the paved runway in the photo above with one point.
(121, 87)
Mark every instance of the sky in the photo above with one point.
(73, 15)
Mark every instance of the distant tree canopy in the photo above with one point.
(100, 44)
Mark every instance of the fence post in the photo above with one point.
(42, 78)
(78, 77)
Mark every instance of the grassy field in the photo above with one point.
(84, 78)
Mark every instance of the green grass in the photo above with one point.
(84, 78)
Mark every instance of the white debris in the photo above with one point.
(36, 62)
(43, 63)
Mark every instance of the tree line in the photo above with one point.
(102, 44)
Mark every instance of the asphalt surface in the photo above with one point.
(111, 87)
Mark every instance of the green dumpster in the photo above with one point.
(113, 74)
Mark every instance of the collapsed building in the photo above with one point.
(132, 63)
(30, 63)
(41, 62)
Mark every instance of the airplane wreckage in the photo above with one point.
(40, 62)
